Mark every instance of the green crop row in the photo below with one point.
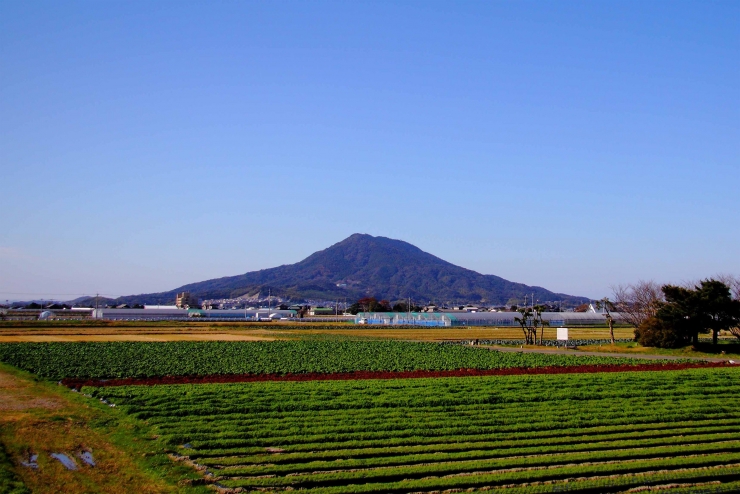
(336, 483)
(484, 416)
(473, 449)
(454, 445)
(415, 438)
(694, 481)
(389, 425)
(495, 458)
(238, 429)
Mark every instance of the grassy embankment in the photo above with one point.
(42, 418)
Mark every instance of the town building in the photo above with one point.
(185, 300)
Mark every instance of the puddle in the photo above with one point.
(87, 457)
(31, 463)
(187, 446)
(65, 460)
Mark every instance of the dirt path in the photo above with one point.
(603, 354)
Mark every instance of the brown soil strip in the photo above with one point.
(212, 336)
(347, 376)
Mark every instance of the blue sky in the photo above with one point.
(571, 145)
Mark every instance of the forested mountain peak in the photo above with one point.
(364, 265)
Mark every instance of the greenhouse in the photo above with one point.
(443, 319)
(404, 318)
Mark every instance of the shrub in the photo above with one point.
(654, 332)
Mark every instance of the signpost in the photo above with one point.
(563, 335)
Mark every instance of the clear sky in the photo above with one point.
(571, 145)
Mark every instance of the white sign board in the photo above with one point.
(562, 334)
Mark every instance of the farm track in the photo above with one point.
(677, 430)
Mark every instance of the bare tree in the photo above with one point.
(637, 302)
(528, 324)
(608, 307)
(734, 283)
(538, 310)
(731, 281)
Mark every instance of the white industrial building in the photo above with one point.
(190, 314)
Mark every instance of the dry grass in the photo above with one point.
(240, 331)
(20, 394)
(45, 331)
(214, 336)
(728, 348)
(463, 333)
(36, 417)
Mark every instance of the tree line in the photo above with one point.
(371, 304)
(673, 316)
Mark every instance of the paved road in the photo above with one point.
(603, 354)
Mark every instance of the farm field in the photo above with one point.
(91, 330)
(139, 336)
(471, 333)
(571, 423)
(140, 359)
(547, 433)
(38, 331)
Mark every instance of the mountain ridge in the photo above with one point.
(363, 265)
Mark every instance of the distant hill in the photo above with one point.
(88, 301)
(360, 266)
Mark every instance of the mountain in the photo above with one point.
(89, 301)
(360, 266)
